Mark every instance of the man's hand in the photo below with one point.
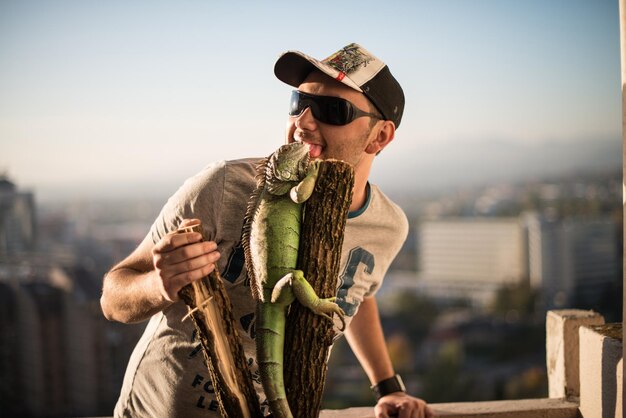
(181, 258)
(401, 405)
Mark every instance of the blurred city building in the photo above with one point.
(470, 258)
(572, 260)
(58, 355)
(566, 260)
(17, 219)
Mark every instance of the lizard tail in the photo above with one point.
(280, 408)
(270, 336)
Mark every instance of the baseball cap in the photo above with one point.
(353, 66)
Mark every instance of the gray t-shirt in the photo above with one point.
(166, 374)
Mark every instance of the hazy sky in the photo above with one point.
(130, 94)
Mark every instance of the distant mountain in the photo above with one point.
(409, 168)
(433, 167)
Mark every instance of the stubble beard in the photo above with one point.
(352, 153)
(355, 155)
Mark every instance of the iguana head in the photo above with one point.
(289, 163)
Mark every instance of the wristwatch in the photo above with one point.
(387, 386)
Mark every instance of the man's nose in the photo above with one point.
(306, 120)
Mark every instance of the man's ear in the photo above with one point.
(384, 136)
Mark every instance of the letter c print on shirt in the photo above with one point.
(357, 255)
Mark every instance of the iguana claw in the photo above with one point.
(329, 306)
(307, 297)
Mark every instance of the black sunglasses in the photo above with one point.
(326, 109)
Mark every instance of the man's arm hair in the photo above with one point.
(366, 339)
(149, 279)
(130, 292)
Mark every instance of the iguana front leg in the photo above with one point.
(304, 189)
(300, 287)
(306, 295)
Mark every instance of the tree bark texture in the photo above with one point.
(211, 312)
(309, 336)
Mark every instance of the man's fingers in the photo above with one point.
(182, 279)
(172, 241)
(429, 413)
(404, 411)
(383, 411)
(189, 264)
(189, 222)
(417, 413)
(185, 253)
(181, 258)
(172, 285)
(402, 406)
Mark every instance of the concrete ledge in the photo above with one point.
(562, 349)
(601, 371)
(525, 408)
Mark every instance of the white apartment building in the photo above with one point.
(472, 257)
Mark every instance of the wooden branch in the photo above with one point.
(309, 336)
(211, 312)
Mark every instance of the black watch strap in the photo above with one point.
(387, 386)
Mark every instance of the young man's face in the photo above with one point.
(345, 142)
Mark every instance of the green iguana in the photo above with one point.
(271, 239)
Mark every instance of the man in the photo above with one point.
(347, 107)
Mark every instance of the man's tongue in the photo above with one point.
(315, 150)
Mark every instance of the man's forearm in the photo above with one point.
(149, 279)
(129, 296)
(365, 336)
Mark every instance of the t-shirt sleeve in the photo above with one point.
(199, 197)
(393, 239)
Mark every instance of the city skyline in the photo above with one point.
(132, 98)
(57, 336)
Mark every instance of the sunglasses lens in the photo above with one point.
(331, 110)
(337, 112)
(295, 105)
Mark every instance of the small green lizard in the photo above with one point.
(271, 239)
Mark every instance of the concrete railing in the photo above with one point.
(585, 376)
(526, 408)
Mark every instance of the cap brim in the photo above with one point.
(293, 67)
